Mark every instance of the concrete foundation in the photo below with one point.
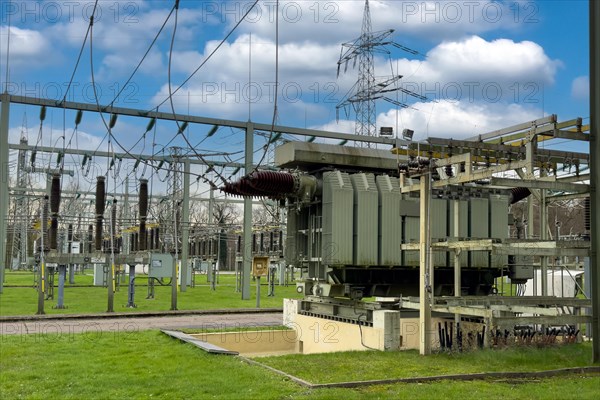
(252, 343)
(389, 332)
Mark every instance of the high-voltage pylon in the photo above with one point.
(175, 189)
(21, 210)
(369, 88)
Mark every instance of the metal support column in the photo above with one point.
(544, 236)
(126, 237)
(247, 250)
(425, 288)
(258, 291)
(131, 288)
(457, 266)
(110, 280)
(185, 226)
(4, 115)
(62, 275)
(72, 274)
(42, 264)
(110, 284)
(587, 288)
(595, 174)
(174, 284)
(530, 173)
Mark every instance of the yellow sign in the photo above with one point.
(260, 266)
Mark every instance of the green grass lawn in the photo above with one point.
(26, 278)
(327, 368)
(150, 364)
(83, 300)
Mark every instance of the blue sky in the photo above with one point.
(483, 64)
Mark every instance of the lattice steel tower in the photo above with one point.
(21, 210)
(369, 88)
(175, 189)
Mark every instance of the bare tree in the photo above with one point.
(226, 215)
(268, 213)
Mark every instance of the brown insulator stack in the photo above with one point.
(54, 208)
(518, 194)
(415, 164)
(143, 205)
(271, 184)
(113, 226)
(587, 214)
(90, 238)
(280, 242)
(100, 203)
(45, 206)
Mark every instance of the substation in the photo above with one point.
(391, 243)
(382, 241)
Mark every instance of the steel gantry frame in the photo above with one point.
(595, 172)
(494, 149)
(483, 158)
(248, 126)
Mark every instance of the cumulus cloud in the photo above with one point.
(340, 21)
(475, 69)
(223, 86)
(470, 71)
(457, 120)
(26, 45)
(467, 75)
(53, 138)
(580, 88)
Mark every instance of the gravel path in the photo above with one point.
(134, 324)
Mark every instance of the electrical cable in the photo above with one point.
(181, 128)
(213, 52)
(266, 148)
(145, 54)
(80, 53)
(108, 134)
(360, 329)
(7, 55)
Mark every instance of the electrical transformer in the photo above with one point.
(347, 220)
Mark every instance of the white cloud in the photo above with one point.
(457, 120)
(221, 87)
(470, 70)
(342, 126)
(53, 138)
(26, 45)
(336, 22)
(580, 88)
(121, 38)
(474, 69)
